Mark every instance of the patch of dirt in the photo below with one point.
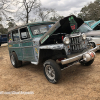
(1, 58)
(77, 82)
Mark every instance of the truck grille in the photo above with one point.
(76, 44)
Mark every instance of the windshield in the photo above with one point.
(40, 29)
(84, 28)
(91, 23)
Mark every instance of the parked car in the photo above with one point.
(56, 45)
(95, 25)
(3, 38)
(94, 34)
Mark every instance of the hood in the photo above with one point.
(66, 25)
(93, 33)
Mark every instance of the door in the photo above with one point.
(26, 44)
(14, 43)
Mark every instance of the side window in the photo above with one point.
(24, 33)
(16, 35)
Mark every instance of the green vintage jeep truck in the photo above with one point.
(57, 45)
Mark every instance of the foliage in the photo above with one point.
(3, 30)
(11, 22)
(43, 13)
(5, 8)
(10, 25)
(55, 18)
(91, 11)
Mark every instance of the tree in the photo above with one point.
(3, 30)
(43, 13)
(56, 16)
(11, 22)
(84, 13)
(5, 11)
(10, 25)
(91, 11)
(27, 6)
(5, 8)
(0, 18)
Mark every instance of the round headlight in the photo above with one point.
(84, 36)
(66, 40)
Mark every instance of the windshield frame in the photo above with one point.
(86, 26)
(92, 23)
(39, 27)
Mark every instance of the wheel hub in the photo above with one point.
(50, 72)
(12, 60)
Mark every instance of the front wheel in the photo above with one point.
(52, 71)
(87, 63)
(14, 60)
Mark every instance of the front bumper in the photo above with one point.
(78, 57)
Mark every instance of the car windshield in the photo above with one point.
(91, 23)
(40, 29)
(84, 28)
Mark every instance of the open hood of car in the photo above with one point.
(68, 25)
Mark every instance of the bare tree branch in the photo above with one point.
(26, 7)
(43, 13)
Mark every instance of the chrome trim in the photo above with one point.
(69, 65)
(56, 46)
(75, 44)
(75, 35)
(78, 57)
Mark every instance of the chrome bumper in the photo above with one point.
(78, 57)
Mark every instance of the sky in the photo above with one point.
(63, 7)
(66, 7)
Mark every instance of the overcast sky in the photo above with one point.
(65, 7)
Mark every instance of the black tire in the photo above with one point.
(0, 44)
(87, 63)
(51, 66)
(14, 60)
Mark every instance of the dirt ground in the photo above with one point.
(77, 82)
